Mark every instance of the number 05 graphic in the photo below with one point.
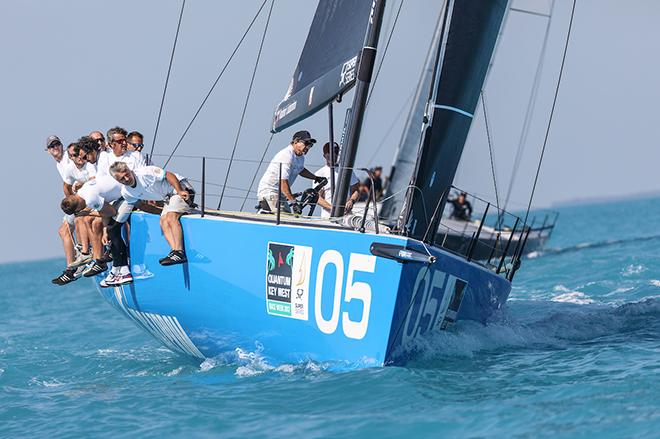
(360, 291)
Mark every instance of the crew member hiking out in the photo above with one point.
(151, 183)
(103, 195)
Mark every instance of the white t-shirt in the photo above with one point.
(73, 174)
(102, 189)
(150, 184)
(292, 165)
(133, 159)
(325, 192)
(63, 164)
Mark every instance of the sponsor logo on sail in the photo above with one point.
(283, 112)
(348, 72)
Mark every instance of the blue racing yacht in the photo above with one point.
(351, 291)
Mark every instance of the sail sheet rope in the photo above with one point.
(552, 112)
(522, 142)
(382, 58)
(167, 80)
(256, 170)
(247, 100)
(490, 150)
(215, 83)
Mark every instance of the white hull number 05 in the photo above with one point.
(360, 291)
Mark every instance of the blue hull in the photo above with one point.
(297, 292)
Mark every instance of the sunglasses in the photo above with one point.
(136, 145)
(119, 141)
(100, 140)
(53, 145)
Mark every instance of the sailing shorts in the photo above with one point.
(271, 200)
(175, 203)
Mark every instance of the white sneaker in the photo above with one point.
(141, 272)
(108, 281)
(121, 279)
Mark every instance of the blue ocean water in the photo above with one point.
(575, 353)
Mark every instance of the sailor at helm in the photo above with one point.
(291, 161)
(325, 194)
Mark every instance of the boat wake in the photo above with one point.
(590, 245)
(545, 325)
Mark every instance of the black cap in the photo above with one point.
(303, 136)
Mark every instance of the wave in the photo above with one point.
(589, 246)
(544, 325)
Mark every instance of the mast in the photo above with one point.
(470, 32)
(365, 69)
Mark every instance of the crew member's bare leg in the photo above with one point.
(67, 242)
(167, 230)
(82, 233)
(97, 238)
(176, 231)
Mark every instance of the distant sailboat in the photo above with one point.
(299, 288)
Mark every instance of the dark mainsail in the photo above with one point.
(405, 157)
(470, 32)
(328, 63)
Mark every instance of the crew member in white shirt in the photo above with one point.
(155, 184)
(103, 195)
(325, 194)
(292, 161)
(55, 149)
(98, 137)
(135, 141)
(77, 173)
(118, 152)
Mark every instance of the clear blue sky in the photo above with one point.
(69, 67)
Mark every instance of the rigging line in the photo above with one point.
(552, 112)
(167, 80)
(216, 82)
(247, 100)
(256, 171)
(389, 130)
(490, 150)
(382, 59)
(530, 109)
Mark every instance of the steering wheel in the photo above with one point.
(310, 196)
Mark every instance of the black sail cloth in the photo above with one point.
(471, 29)
(328, 63)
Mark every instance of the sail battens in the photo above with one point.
(457, 110)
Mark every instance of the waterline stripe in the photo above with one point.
(160, 322)
(184, 337)
(165, 329)
(154, 330)
(457, 110)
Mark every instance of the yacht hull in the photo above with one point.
(297, 292)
